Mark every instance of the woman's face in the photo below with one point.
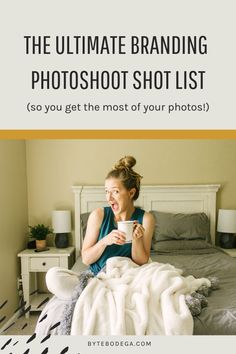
(118, 197)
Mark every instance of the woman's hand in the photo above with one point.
(114, 237)
(138, 230)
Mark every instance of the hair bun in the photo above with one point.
(126, 161)
(123, 170)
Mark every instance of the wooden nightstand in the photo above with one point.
(33, 262)
(230, 251)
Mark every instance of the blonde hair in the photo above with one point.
(123, 170)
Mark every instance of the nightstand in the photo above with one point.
(230, 251)
(33, 262)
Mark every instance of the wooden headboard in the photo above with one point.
(168, 198)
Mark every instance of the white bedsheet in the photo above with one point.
(129, 299)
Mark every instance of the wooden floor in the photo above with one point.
(23, 326)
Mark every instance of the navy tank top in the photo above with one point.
(108, 224)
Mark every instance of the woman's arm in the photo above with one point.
(142, 238)
(93, 249)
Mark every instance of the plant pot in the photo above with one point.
(41, 244)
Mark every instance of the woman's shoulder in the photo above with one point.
(97, 214)
(143, 212)
(148, 217)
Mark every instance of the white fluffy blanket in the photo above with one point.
(136, 300)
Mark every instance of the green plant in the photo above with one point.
(40, 231)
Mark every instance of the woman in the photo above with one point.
(103, 240)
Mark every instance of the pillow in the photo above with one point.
(84, 219)
(181, 245)
(169, 226)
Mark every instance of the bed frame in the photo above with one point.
(168, 198)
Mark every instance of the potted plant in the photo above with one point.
(39, 233)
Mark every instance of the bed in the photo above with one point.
(184, 238)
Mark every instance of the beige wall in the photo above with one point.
(13, 219)
(53, 166)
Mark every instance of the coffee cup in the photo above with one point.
(127, 227)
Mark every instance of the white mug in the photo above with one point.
(127, 227)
